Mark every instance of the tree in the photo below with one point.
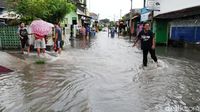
(105, 21)
(112, 24)
(48, 10)
(57, 11)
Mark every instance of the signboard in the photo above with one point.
(145, 17)
(153, 5)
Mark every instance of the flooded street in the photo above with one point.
(104, 76)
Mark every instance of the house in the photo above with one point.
(80, 15)
(76, 18)
(177, 21)
(130, 21)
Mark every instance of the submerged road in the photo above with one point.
(103, 76)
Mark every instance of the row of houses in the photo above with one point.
(171, 20)
(5, 15)
(78, 17)
(70, 24)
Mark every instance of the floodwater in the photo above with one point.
(104, 75)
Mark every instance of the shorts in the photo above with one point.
(59, 44)
(40, 43)
(24, 42)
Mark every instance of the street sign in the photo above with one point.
(153, 5)
(145, 17)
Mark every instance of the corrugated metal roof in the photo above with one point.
(180, 13)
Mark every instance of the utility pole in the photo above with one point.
(89, 7)
(130, 24)
(85, 3)
(144, 3)
(114, 17)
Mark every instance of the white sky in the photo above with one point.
(111, 8)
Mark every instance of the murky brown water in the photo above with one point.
(103, 76)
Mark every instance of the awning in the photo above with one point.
(81, 13)
(180, 13)
(87, 16)
(135, 16)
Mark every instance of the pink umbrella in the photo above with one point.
(41, 28)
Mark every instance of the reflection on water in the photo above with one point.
(103, 77)
(179, 53)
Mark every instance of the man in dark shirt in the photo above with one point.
(147, 43)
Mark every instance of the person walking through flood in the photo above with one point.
(112, 32)
(40, 44)
(147, 43)
(58, 39)
(88, 32)
(83, 33)
(23, 34)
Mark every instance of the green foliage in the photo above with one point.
(104, 21)
(48, 10)
(40, 62)
(112, 23)
(57, 11)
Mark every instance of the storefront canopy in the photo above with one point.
(180, 13)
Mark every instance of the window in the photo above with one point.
(74, 18)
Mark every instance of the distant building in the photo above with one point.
(104, 22)
(77, 18)
(130, 21)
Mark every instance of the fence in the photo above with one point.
(9, 38)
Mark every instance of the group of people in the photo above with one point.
(146, 36)
(85, 32)
(40, 40)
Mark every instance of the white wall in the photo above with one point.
(173, 5)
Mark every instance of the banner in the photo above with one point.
(144, 17)
(153, 5)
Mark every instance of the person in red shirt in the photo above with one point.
(40, 43)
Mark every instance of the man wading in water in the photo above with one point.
(147, 43)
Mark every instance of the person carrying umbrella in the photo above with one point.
(40, 43)
(40, 29)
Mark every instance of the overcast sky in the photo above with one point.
(111, 8)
